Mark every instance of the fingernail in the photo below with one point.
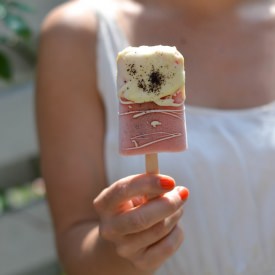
(184, 193)
(167, 184)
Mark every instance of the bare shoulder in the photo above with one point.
(69, 21)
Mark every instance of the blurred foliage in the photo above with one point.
(20, 196)
(18, 37)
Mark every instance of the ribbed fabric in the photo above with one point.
(229, 220)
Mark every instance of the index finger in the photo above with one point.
(123, 190)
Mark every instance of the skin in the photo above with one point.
(94, 222)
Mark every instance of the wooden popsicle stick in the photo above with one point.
(151, 163)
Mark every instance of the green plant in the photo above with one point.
(16, 36)
(20, 196)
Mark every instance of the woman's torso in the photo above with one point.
(229, 219)
(229, 58)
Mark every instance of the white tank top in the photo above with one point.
(229, 168)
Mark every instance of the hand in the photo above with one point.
(139, 214)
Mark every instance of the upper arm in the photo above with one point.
(70, 115)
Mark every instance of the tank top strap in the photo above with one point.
(110, 40)
(109, 29)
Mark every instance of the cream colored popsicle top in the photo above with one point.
(150, 74)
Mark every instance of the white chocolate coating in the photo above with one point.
(150, 74)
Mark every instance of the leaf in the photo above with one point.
(3, 11)
(18, 25)
(5, 67)
(3, 201)
(26, 51)
(4, 40)
(20, 6)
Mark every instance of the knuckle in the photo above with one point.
(106, 232)
(100, 201)
(97, 204)
(122, 250)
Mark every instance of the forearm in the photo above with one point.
(83, 251)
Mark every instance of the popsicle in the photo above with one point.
(151, 92)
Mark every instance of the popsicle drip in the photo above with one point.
(163, 136)
(173, 113)
(167, 101)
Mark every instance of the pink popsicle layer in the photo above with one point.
(147, 128)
